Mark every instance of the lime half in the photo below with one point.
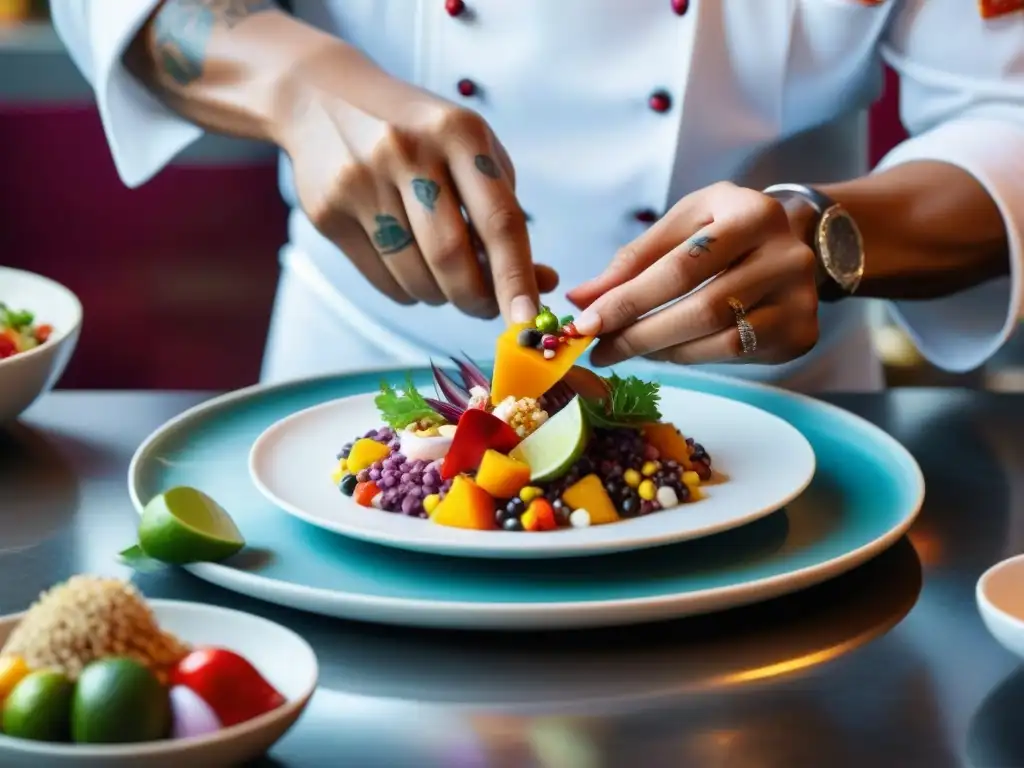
(184, 525)
(556, 445)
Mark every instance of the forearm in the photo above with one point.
(930, 230)
(227, 65)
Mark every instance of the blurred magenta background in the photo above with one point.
(177, 277)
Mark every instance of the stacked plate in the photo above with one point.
(810, 491)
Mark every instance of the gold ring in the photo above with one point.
(748, 338)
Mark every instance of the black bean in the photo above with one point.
(348, 484)
(512, 524)
(515, 506)
(529, 337)
(630, 504)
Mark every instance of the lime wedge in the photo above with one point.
(556, 445)
(184, 525)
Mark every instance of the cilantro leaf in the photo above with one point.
(399, 409)
(630, 403)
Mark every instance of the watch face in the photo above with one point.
(842, 249)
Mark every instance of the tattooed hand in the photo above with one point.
(761, 306)
(416, 191)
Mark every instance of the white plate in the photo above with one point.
(767, 461)
(281, 656)
(1000, 596)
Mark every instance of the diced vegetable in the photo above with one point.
(477, 432)
(12, 670)
(466, 505)
(523, 371)
(364, 453)
(502, 476)
(543, 513)
(589, 494)
(365, 493)
(669, 441)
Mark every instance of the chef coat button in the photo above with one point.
(454, 7)
(466, 87)
(646, 216)
(680, 6)
(660, 101)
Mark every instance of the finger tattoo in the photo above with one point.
(391, 236)
(699, 244)
(486, 165)
(427, 191)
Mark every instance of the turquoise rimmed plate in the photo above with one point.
(866, 492)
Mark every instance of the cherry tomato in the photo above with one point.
(235, 691)
(365, 493)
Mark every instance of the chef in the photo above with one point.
(692, 174)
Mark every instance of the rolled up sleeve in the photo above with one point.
(143, 134)
(962, 101)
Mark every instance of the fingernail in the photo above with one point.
(588, 323)
(523, 309)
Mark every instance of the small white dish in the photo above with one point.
(767, 461)
(281, 656)
(1000, 597)
(26, 376)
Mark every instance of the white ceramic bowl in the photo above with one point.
(281, 656)
(1000, 596)
(26, 376)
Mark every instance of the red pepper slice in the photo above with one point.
(235, 691)
(477, 431)
(7, 347)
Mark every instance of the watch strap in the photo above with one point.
(828, 289)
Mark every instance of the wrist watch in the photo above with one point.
(835, 238)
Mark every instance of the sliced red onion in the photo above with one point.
(447, 411)
(191, 716)
(449, 389)
(471, 374)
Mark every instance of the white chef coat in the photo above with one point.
(757, 91)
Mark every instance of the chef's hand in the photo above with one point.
(386, 171)
(763, 275)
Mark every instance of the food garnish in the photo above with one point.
(631, 402)
(180, 526)
(542, 444)
(400, 408)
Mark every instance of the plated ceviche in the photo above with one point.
(19, 331)
(543, 444)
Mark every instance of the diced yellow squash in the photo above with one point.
(589, 494)
(525, 372)
(366, 452)
(466, 505)
(669, 441)
(13, 670)
(502, 476)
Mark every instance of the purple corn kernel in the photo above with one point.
(374, 474)
(651, 453)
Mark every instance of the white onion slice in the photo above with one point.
(416, 448)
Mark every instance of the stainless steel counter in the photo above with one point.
(888, 666)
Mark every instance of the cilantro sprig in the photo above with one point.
(631, 402)
(399, 409)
